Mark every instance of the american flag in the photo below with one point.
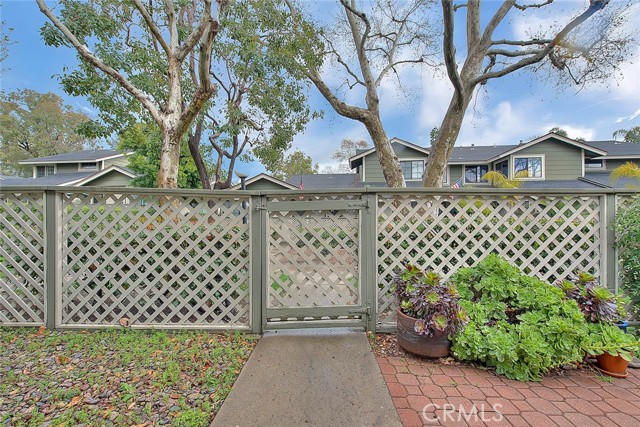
(457, 184)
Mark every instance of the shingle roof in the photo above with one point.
(617, 148)
(335, 180)
(76, 156)
(568, 184)
(480, 153)
(57, 179)
(604, 179)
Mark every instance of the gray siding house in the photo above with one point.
(103, 168)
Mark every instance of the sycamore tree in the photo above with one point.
(296, 163)
(348, 148)
(365, 46)
(588, 46)
(34, 124)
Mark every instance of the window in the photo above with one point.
(475, 173)
(445, 177)
(592, 164)
(503, 168)
(45, 171)
(527, 167)
(89, 165)
(412, 169)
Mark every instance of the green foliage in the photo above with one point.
(146, 141)
(596, 302)
(296, 163)
(191, 418)
(520, 325)
(34, 124)
(631, 135)
(606, 338)
(628, 244)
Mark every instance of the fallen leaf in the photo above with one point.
(75, 401)
(131, 405)
(41, 330)
(62, 360)
(174, 396)
(124, 322)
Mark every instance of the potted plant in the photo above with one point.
(612, 348)
(428, 312)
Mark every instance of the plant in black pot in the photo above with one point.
(428, 312)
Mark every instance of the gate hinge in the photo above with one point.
(363, 204)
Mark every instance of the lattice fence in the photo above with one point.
(161, 260)
(22, 264)
(548, 237)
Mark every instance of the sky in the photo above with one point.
(508, 110)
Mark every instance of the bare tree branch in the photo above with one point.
(520, 42)
(153, 28)
(450, 49)
(535, 5)
(205, 22)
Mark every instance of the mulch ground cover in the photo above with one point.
(116, 377)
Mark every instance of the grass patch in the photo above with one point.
(116, 377)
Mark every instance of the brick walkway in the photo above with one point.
(430, 394)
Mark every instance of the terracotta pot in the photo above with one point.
(420, 345)
(612, 364)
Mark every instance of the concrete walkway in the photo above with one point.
(310, 378)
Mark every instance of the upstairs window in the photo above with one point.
(593, 164)
(412, 169)
(88, 166)
(45, 171)
(503, 168)
(475, 173)
(527, 167)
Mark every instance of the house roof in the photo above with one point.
(334, 180)
(603, 179)
(544, 138)
(478, 154)
(265, 177)
(617, 149)
(355, 161)
(77, 156)
(106, 171)
(567, 184)
(76, 179)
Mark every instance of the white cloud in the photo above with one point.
(628, 118)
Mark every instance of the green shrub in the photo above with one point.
(520, 325)
(628, 245)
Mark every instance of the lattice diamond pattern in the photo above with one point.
(548, 237)
(22, 258)
(313, 259)
(155, 260)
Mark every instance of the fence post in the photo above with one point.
(608, 239)
(52, 256)
(369, 256)
(257, 232)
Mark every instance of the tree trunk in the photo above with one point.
(194, 149)
(169, 159)
(447, 135)
(388, 159)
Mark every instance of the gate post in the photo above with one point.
(52, 257)
(608, 252)
(257, 233)
(369, 233)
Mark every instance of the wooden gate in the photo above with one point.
(314, 263)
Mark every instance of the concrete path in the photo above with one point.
(310, 378)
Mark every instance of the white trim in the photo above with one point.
(391, 141)
(97, 159)
(583, 160)
(268, 178)
(448, 172)
(544, 138)
(620, 157)
(35, 169)
(363, 175)
(529, 156)
(103, 172)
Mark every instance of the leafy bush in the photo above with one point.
(628, 244)
(521, 325)
(607, 338)
(596, 302)
(434, 304)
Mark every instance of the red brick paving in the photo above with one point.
(428, 394)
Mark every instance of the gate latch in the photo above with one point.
(363, 204)
(261, 206)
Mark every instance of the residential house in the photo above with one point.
(99, 168)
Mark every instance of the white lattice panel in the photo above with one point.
(155, 260)
(313, 259)
(548, 237)
(22, 258)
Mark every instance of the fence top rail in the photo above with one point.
(325, 192)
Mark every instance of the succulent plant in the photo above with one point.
(597, 303)
(423, 296)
